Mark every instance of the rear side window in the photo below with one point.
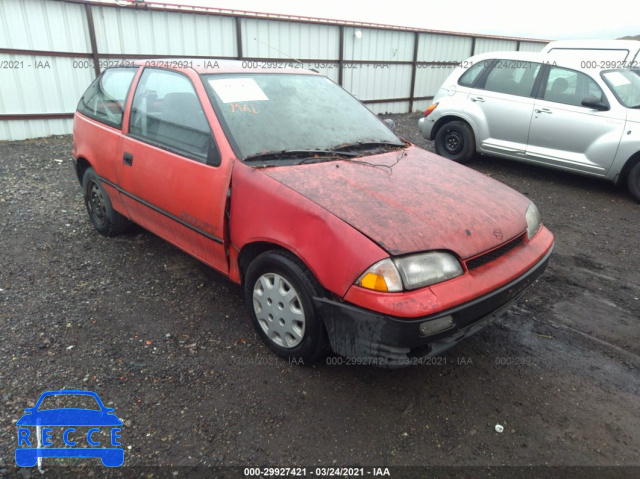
(570, 87)
(513, 77)
(625, 85)
(105, 99)
(469, 77)
(166, 111)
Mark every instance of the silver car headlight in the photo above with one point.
(534, 222)
(424, 269)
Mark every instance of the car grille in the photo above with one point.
(493, 255)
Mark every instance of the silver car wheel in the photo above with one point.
(279, 310)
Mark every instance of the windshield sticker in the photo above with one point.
(238, 90)
(244, 108)
(617, 78)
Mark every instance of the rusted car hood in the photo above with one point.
(412, 200)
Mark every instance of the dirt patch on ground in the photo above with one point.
(166, 342)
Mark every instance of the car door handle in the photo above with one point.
(478, 99)
(127, 159)
(542, 110)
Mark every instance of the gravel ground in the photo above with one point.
(166, 342)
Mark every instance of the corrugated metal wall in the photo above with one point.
(531, 47)
(139, 32)
(484, 45)
(37, 84)
(288, 40)
(49, 48)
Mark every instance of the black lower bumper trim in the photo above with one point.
(362, 333)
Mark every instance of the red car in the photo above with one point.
(343, 235)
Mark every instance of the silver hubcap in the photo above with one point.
(279, 310)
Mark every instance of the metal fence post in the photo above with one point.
(92, 39)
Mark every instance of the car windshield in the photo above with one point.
(267, 115)
(625, 85)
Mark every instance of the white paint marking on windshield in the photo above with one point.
(234, 90)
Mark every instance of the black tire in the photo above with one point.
(277, 319)
(633, 181)
(455, 141)
(103, 217)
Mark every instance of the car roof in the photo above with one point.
(511, 55)
(224, 65)
(575, 63)
(632, 45)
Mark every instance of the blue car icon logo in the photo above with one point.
(74, 427)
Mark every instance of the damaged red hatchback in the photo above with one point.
(343, 235)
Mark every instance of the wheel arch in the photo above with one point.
(82, 164)
(448, 118)
(632, 161)
(251, 251)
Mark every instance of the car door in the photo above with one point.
(172, 178)
(566, 134)
(501, 105)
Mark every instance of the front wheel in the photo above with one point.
(279, 292)
(633, 181)
(455, 141)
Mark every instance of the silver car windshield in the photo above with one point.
(274, 113)
(625, 84)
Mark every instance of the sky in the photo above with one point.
(540, 19)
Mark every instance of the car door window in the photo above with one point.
(166, 112)
(105, 99)
(513, 77)
(570, 87)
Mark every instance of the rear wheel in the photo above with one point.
(101, 214)
(633, 181)
(455, 141)
(279, 292)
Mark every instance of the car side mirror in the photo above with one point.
(390, 123)
(595, 103)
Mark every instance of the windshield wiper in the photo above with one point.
(363, 145)
(297, 154)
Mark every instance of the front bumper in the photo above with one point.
(396, 342)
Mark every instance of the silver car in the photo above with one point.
(562, 113)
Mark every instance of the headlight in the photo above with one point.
(533, 220)
(412, 272)
(382, 276)
(424, 269)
